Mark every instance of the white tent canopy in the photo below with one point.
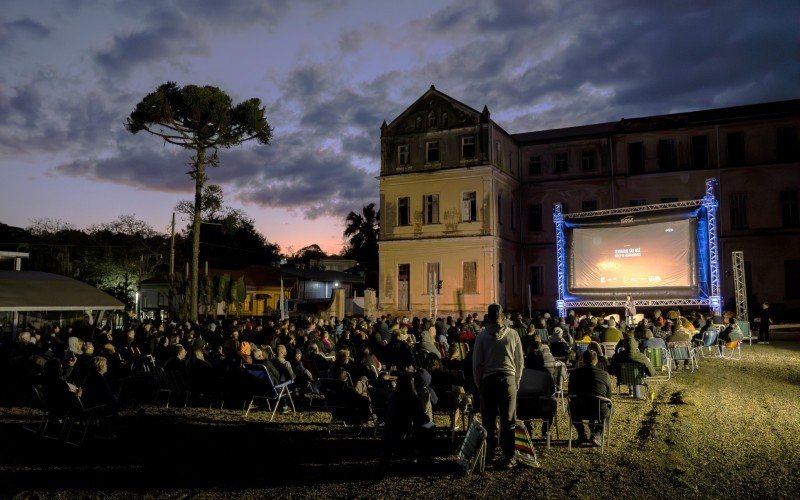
(37, 291)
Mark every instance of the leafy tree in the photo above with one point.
(363, 231)
(307, 257)
(230, 239)
(202, 120)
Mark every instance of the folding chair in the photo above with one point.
(609, 349)
(537, 402)
(80, 420)
(472, 455)
(682, 352)
(268, 389)
(586, 408)
(731, 350)
(561, 378)
(631, 374)
(709, 347)
(340, 411)
(659, 357)
(163, 385)
(580, 348)
(747, 333)
(523, 446)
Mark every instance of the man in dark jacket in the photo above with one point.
(763, 327)
(589, 380)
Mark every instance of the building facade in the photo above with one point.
(464, 201)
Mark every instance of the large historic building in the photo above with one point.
(467, 202)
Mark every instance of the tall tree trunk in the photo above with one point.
(199, 180)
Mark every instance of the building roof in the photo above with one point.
(38, 291)
(323, 276)
(664, 122)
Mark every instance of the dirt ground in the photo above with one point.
(732, 429)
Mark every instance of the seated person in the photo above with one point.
(602, 360)
(283, 365)
(631, 354)
(589, 380)
(650, 341)
(612, 333)
(731, 334)
(680, 338)
(539, 357)
(96, 389)
(559, 347)
(406, 417)
(535, 398)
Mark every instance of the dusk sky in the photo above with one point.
(329, 72)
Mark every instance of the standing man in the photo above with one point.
(763, 327)
(630, 312)
(497, 364)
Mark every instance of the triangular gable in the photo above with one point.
(441, 105)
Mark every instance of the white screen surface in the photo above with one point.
(637, 256)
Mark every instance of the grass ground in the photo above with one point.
(730, 430)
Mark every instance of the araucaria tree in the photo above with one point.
(202, 120)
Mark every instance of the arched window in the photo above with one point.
(431, 119)
(419, 123)
(444, 119)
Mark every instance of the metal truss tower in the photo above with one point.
(740, 285)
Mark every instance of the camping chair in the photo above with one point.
(682, 352)
(588, 408)
(79, 420)
(580, 348)
(631, 374)
(341, 412)
(659, 358)
(731, 350)
(50, 416)
(561, 377)
(163, 385)
(379, 393)
(536, 401)
(267, 389)
(709, 347)
(609, 348)
(747, 333)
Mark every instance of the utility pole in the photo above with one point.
(172, 249)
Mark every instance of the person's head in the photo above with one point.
(298, 354)
(258, 355)
(612, 323)
(130, 335)
(199, 354)
(180, 352)
(628, 297)
(493, 313)
(589, 357)
(343, 356)
(88, 348)
(594, 346)
(732, 320)
(100, 365)
(765, 305)
(314, 349)
(281, 351)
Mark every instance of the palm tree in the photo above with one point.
(362, 231)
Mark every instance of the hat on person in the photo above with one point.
(558, 331)
(547, 315)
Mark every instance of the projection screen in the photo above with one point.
(653, 255)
